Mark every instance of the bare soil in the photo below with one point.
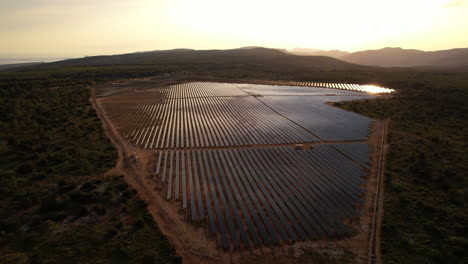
(194, 246)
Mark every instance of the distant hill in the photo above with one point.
(17, 65)
(251, 47)
(277, 59)
(398, 57)
(317, 52)
(259, 47)
(207, 59)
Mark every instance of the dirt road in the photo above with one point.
(375, 253)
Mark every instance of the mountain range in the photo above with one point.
(234, 59)
(395, 57)
(253, 56)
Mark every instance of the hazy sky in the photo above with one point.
(74, 28)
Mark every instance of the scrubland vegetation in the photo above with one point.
(55, 205)
(425, 218)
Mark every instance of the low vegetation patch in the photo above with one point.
(425, 219)
(56, 207)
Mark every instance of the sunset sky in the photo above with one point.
(76, 28)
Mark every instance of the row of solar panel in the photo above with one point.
(341, 86)
(180, 91)
(282, 90)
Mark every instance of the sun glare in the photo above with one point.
(375, 89)
(321, 24)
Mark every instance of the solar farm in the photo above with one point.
(253, 165)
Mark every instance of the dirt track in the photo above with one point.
(191, 242)
(379, 209)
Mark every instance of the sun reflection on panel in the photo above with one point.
(375, 89)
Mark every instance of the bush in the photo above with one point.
(50, 204)
(24, 169)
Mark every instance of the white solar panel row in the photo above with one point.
(204, 122)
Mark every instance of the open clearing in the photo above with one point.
(248, 169)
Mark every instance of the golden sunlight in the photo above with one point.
(375, 89)
(120, 26)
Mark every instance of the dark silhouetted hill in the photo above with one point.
(206, 59)
(398, 57)
(17, 65)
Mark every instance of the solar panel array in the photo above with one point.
(225, 152)
(205, 115)
(267, 195)
(340, 86)
(326, 122)
(204, 122)
(283, 90)
(177, 91)
(356, 151)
